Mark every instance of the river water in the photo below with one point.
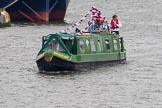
(136, 84)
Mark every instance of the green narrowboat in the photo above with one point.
(70, 52)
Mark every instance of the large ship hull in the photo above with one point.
(4, 3)
(42, 11)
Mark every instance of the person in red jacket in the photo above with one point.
(114, 25)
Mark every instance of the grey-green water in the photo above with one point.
(137, 84)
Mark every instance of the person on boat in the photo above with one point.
(89, 29)
(99, 19)
(99, 27)
(105, 26)
(114, 25)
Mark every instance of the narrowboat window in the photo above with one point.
(93, 48)
(68, 43)
(82, 49)
(115, 44)
(107, 43)
(56, 46)
(49, 46)
(99, 45)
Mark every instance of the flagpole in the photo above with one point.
(93, 25)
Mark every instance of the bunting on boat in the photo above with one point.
(94, 14)
(76, 24)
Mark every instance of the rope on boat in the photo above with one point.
(76, 24)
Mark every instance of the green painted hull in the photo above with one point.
(116, 56)
(58, 64)
(91, 52)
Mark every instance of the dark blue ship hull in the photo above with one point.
(4, 3)
(38, 11)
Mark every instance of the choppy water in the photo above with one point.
(137, 84)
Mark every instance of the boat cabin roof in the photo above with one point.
(71, 43)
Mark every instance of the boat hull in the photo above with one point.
(37, 16)
(63, 52)
(4, 3)
(42, 11)
(58, 64)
